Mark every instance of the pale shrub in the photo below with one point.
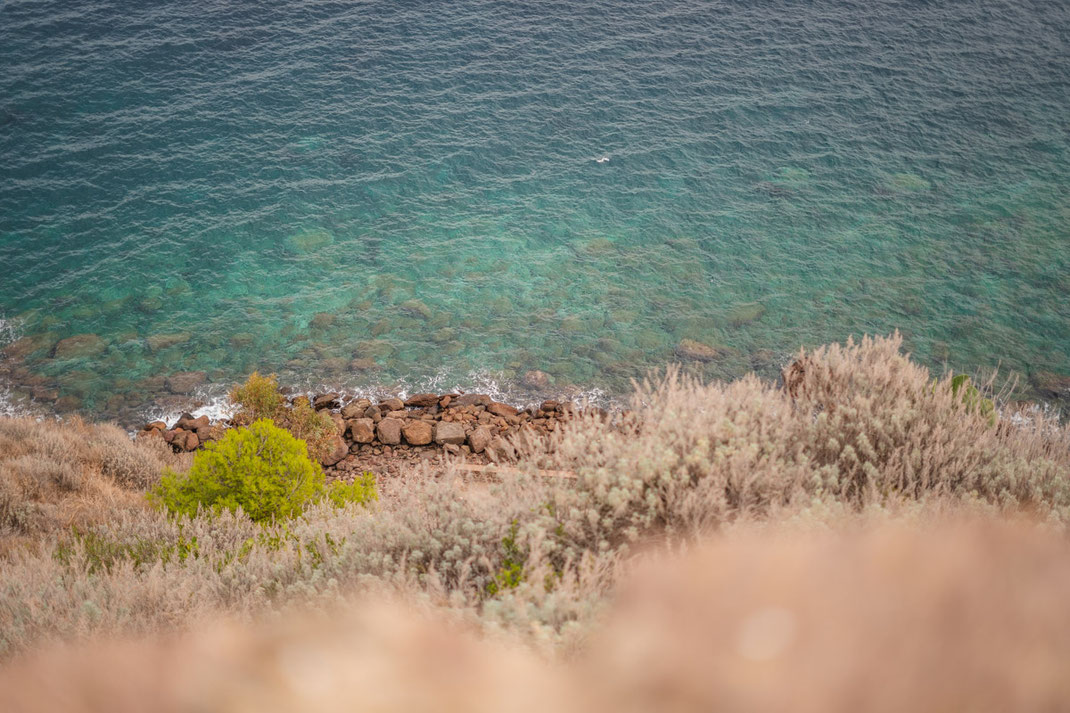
(859, 429)
(866, 426)
(926, 612)
(56, 474)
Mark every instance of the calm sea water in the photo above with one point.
(453, 193)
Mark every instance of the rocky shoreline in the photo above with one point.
(382, 436)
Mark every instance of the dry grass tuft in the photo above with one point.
(55, 475)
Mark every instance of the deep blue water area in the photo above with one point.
(454, 193)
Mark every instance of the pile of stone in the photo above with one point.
(472, 425)
(458, 423)
(188, 434)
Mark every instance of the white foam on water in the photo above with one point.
(476, 382)
(217, 407)
(9, 332)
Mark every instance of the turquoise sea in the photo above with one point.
(413, 194)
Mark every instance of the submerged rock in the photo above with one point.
(536, 380)
(416, 308)
(745, 314)
(241, 340)
(322, 320)
(185, 382)
(363, 365)
(908, 182)
(696, 351)
(441, 336)
(159, 342)
(309, 241)
(80, 345)
(24, 346)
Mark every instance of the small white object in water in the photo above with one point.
(602, 160)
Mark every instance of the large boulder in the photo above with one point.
(421, 400)
(187, 422)
(389, 431)
(191, 441)
(691, 350)
(500, 409)
(392, 405)
(362, 430)
(80, 345)
(500, 450)
(449, 432)
(479, 439)
(335, 453)
(355, 408)
(417, 433)
(325, 401)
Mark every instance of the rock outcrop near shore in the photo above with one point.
(423, 425)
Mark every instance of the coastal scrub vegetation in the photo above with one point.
(262, 470)
(856, 433)
(260, 398)
(936, 614)
(55, 475)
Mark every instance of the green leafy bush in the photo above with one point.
(263, 469)
(511, 573)
(362, 490)
(259, 397)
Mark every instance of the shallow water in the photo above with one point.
(410, 193)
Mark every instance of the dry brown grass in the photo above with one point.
(876, 614)
(60, 474)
